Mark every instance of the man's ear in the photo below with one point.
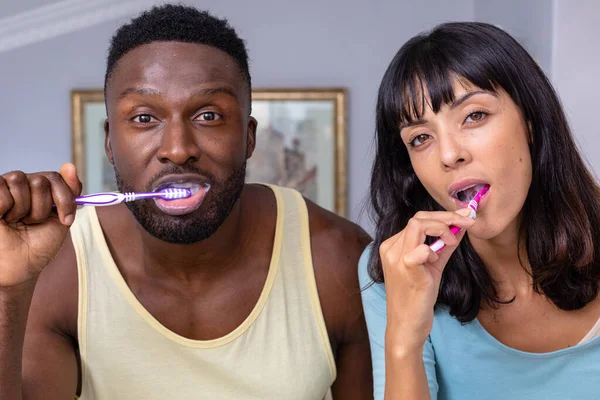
(251, 138)
(107, 145)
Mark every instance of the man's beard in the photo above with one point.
(193, 227)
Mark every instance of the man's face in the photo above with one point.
(178, 116)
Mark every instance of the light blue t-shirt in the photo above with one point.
(465, 362)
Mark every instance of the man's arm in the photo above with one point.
(49, 366)
(32, 233)
(14, 304)
(37, 355)
(337, 245)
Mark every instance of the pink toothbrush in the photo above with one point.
(109, 199)
(439, 244)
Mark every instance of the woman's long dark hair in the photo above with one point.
(561, 216)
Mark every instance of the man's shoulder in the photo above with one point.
(338, 233)
(337, 245)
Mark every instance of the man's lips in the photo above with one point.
(197, 185)
(180, 180)
(184, 206)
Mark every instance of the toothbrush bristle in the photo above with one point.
(176, 193)
(473, 204)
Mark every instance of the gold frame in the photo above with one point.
(80, 97)
(338, 96)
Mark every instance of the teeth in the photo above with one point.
(192, 187)
(176, 193)
(467, 194)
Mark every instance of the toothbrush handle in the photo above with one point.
(100, 199)
(439, 244)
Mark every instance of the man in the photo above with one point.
(237, 292)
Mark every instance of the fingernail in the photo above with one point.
(69, 219)
(465, 212)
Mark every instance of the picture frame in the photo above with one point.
(88, 114)
(301, 142)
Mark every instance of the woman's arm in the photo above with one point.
(410, 374)
(418, 371)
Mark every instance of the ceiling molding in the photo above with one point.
(63, 17)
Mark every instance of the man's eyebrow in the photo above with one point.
(202, 92)
(216, 90)
(139, 91)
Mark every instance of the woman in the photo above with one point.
(509, 309)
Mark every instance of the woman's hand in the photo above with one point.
(413, 273)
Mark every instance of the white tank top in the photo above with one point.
(280, 352)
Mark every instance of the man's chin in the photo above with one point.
(178, 229)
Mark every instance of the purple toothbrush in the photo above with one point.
(110, 199)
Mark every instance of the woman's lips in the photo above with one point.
(464, 204)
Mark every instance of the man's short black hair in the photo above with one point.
(180, 24)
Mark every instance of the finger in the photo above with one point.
(69, 174)
(419, 256)
(452, 236)
(433, 256)
(448, 250)
(18, 186)
(458, 237)
(6, 200)
(63, 197)
(418, 229)
(41, 199)
(412, 236)
(414, 264)
(457, 217)
(387, 244)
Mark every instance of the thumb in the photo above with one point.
(447, 252)
(69, 174)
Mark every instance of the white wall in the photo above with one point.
(530, 22)
(13, 7)
(309, 43)
(575, 68)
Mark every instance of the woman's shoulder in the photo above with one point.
(364, 278)
(373, 293)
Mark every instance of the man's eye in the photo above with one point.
(143, 118)
(209, 116)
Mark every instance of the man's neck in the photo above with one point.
(204, 260)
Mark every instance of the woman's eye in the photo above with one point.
(476, 116)
(143, 118)
(209, 116)
(419, 140)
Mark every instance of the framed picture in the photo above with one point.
(301, 143)
(88, 114)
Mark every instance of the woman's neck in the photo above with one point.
(505, 259)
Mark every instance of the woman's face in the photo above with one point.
(480, 138)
